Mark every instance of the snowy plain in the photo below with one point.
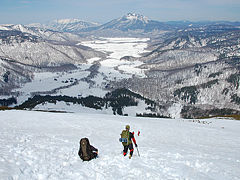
(43, 145)
(118, 48)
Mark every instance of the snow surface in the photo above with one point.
(41, 145)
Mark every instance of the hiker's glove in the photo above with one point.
(135, 145)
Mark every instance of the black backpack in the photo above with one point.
(85, 150)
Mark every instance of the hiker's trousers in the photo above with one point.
(125, 149)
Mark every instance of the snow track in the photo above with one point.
(38, 145)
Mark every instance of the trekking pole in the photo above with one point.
(138, 152)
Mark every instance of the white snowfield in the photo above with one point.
(41, 145)
(118, 48)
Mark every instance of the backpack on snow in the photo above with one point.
(85, 149)
(124, 138)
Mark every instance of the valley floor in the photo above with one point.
(73, 82)
(42, 145)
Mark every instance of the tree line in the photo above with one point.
(117, 100)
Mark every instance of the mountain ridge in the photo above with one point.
(65, 25)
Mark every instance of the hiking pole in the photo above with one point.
(138, 152)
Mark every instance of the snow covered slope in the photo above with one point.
(41, 48)
(40, 145)
(40, 32)
(196, 67)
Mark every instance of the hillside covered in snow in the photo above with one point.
(41, 145)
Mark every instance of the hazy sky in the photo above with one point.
(30, 11)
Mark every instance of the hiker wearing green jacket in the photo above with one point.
(129, 136)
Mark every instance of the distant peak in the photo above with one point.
(134, 16)
(66, 21)
(19, 27)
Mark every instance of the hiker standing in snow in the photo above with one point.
(127, 144)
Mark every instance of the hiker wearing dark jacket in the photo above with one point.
(87, 151)
(128, 145)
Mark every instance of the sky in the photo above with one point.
(102, 11)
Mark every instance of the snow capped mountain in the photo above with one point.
(133, 22)
(66, 25)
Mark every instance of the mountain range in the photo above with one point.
(192, 66)
(129, 22)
